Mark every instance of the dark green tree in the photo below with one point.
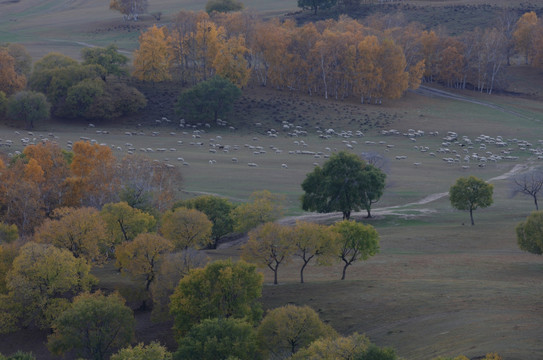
(29, 107)
(222, 289)
(210, 99)
(218, 211)
(223, 6)
(315, 5)
(530, 233)
(94, 326)
(19, 355)
(344, 183)
(470, 193)
(109, 58)
(220, 339)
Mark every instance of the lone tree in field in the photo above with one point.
(530, 233)
(223, 6)
(470, 193)
(131, 9)
(528, 183)
(344, 183)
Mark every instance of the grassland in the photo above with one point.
(438, 286)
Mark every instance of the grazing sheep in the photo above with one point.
(284, 166)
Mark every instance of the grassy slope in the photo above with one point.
(437, 287)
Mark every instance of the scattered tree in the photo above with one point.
(313, 241)
(153, 351)
(287, 329)
(315, 5)
(186, 228)
(10, 81)
(28, 107)
(78, 230)
(269, 245)
(221, 339)
(528, 183)
(470, 193)
(356, 241)
(217, 210)
(220, 290)
(530, 233)
(344, 183)
(109, 58)
(40, 282)
(142, 256)
(209, 100)
(263, 207)
(124, 223)
(153, 59)
(94, 326)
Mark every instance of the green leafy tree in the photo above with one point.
(263, 207)
(356, 241)
(223, 6)
(218, 211)
(222, 289)
(220, 339)
(315, 5)
(142, 256)
(355, 347)
(530, 233)
(29, 107)
(8, 233)
(40, 282)
(124, 223)
(344, 183)
(470, 193)
(81, 96)
(209, 100)
(153, 351)
(287, 329)
(186, 228)
(109, 58)
(19, 355)
(269, 245)
(94, 326)
(53, 60)
(313, 241)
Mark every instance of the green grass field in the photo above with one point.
(438, 286)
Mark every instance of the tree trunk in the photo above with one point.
(275, 276)
(535, 202)
(344, 270)
(302, 272)
(471, 216)
(369, 213)
(346, 214)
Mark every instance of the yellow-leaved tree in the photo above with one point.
(152, 61)
(230, 62)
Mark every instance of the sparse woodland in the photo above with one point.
(65, 212)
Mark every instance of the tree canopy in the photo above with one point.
(344, 183)
(223, 5)
(530, 233)
(208, 100)
(470, 193)
(28, 107)
(222, 289)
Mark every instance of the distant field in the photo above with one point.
(438, 286)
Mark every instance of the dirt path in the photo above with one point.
(431, 92)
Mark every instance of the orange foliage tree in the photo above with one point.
(10, 81)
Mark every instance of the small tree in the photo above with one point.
(29, 107)
(10, 81)
(222, 289)
(187, 228)
(218, 211)
(471, 193)
(208, 100)
(356, 241)
(153, 351)
(131, 9)
(94, 326)
(313, 241)
(269, 246)
(223, 6)
(287, 329)
(530, 233)
(529, 183)
(153, 59)
(124, 223)
(109, 58)
(263, 207)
